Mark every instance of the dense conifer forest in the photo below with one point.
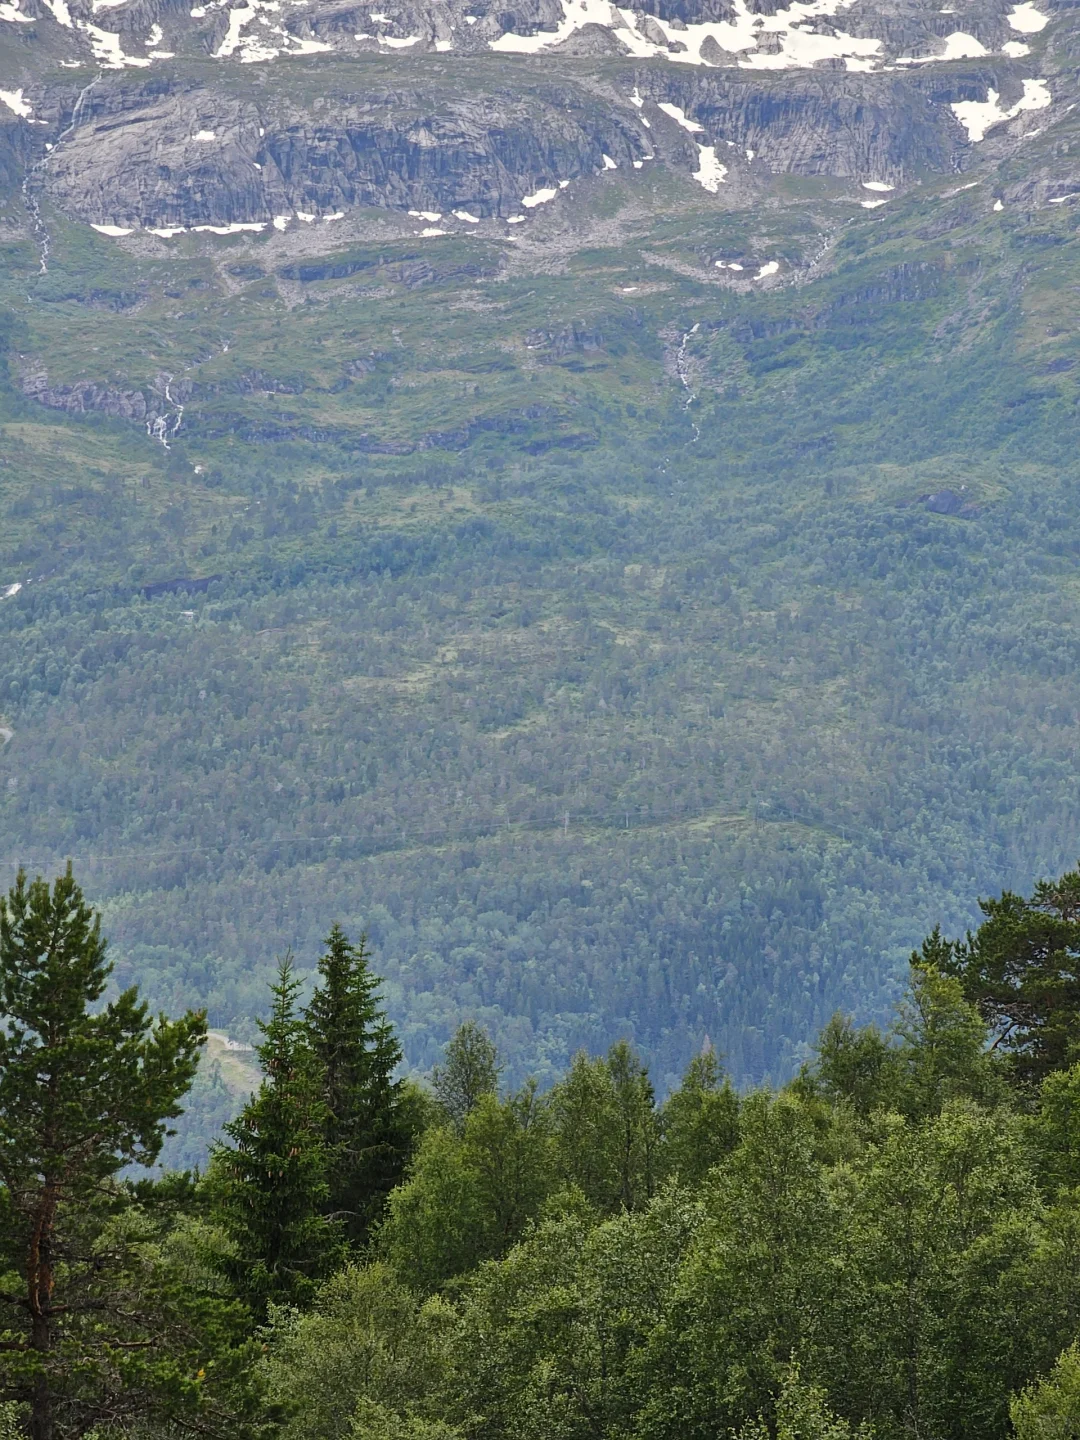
(888, 1245)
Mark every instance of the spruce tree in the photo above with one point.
(366, 1132)
(85, 1090)
(271, 1185)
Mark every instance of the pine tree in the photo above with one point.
(271, 1186)
(1021, 968)
(367, 1135)
(85, 1090)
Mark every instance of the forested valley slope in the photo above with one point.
(583, 496)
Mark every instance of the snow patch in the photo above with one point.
(576, 13)
(962, 46)
(958, 46)
(610, 164)
(1026, 19)
(878, 185)
(334, 215)
(13, 99)
(978, 116)
(1015, 49)
(443, 45)
(465, 215)
(998, 205)
(166, 232)
(397, 44)
(794, 47)
(108, 50)
(515, 220)
(60, 13)
(304, 47)
(232, 229)
(539, 197)
(281, 221)
(872, 204)
(250, 50)
(710, 173)
(204, 135)
(431, 215)
(113, 230)
(769, 268)
(13, 13)
(433, 230)
(679, 115)
(11, 590)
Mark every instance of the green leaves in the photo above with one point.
(1050, 1409)
(368, 1356)
(889, 1247)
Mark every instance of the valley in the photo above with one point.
(586, 497)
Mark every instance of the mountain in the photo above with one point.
(587, 495)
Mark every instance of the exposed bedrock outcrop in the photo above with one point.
(144, 155)
(153, 153)
(810, 123)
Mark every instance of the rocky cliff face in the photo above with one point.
(164, 116)
(321, 135)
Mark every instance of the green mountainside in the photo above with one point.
(627, 649)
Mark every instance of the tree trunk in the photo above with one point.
(39, 1280)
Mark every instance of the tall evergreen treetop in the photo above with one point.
(1022, 969)
(367, 1134)
(85, 1090)
(271, 1184)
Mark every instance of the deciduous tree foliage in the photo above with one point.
(469, 1071)
(888, 1246)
